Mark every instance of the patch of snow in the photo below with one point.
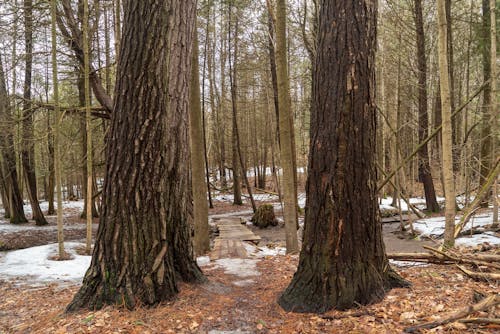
(477, 239)
(418, 202)
(260, 252)
(434, 227)
(239, 267)
(231, 214)
(34, 262)
(403, 264)
(203, 260)
(245, 282)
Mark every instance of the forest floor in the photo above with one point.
(240, 296)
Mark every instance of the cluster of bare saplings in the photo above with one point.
(147, 108)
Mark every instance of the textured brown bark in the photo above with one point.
(28, 145)
(143, 243)
(343, 259)
(8, 155)
(424, 169)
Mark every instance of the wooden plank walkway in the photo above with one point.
(229, 243)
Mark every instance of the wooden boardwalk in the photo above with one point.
(230, 242)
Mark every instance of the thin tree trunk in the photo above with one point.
(88, 125)
(494, 107)
(286, 132)
(447, 143)
(424, 169)
(57, 135)
(201, 241)
(236, 136)
(232, 75)
(486, 133)
(28, 140)
(204, 132)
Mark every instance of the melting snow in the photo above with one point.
(239, 267)
(34, 263)
(434, 227)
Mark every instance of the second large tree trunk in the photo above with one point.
(143, 243)
(342, 262)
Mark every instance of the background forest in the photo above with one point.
(26, 47)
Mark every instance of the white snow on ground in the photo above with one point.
(203, 260)
(403, 264)
(224, 197)
(385, 203)
(260, 252)
(434, 227)
(33, 263)
(6, 226)
(44, 206)
(243, 268)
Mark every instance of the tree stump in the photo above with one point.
(264, 216)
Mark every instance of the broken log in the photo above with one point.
(485, 304)
(480, 276)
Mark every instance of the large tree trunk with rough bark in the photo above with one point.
(424, 169)
(143, 244)
(342, 262)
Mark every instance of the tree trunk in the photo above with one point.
(424, 169)
(486, 133)
(57, 131)
(234, 135)
(447, 143)
(198, 185)
(88, 126)
(144, 239)
(28, 146)
(84, 142)
(343, 261)
(455, 125)
(51, 183)
(494, 107)
(8, 155)
(286, 132)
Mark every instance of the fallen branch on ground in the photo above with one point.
(480, 276)
(439, 257)
(485, 304)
